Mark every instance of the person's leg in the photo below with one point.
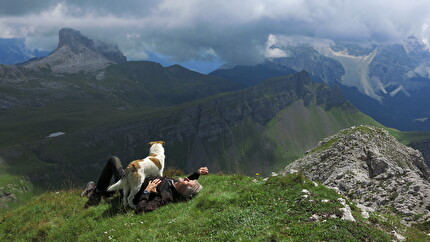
(113, 168)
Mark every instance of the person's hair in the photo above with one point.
(190, 191)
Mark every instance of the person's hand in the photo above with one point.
(203, 171)
(152, 185)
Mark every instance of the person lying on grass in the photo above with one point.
(154, 192)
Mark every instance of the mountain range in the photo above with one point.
(64, 114)
(389, 82)
(14, 51)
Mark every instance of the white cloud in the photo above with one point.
(271, 50)
(236, 31)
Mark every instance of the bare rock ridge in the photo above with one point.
(76, 53)
(74, 38)
(424, 147)
(372, 168)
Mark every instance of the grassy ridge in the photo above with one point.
(231, 207)
(298, 128)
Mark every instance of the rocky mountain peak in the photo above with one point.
(74, 39)
(413, 44)
(76, 52)
(71, 37)
(371, 167)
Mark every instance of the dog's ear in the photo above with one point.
(162, 143)
(151, 143)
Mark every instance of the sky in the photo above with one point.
(205, 34)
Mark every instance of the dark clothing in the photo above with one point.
(166, 192)
(113, 168)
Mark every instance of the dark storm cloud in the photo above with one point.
(235, 31)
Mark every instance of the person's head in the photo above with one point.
(188, 188)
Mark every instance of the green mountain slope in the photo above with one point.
(230, 207)
(256, 130)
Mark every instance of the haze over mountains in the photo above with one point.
(14, 51)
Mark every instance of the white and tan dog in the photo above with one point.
(138, 170)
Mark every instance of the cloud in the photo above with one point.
(271, 50)
(234, 31)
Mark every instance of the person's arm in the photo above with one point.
(153, 198)
(200, 171)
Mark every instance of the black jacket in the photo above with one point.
(166, 193)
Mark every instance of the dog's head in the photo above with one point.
(156, 142)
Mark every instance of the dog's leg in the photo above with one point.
(135, 189)
(130, 198)
(124, 198)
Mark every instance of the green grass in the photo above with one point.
(19, 186)
(298, 128)
(408, 138)
(230, 207)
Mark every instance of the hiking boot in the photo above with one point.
(89, 187)
(94, 199)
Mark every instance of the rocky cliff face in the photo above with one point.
(372, 168)
(76, 53)
(424, 147)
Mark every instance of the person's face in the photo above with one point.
(186, 182)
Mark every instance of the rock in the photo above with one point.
(373, 169)
(398, 236)
(76, 53)
(314, 218)
(347, 213)
(365, 210)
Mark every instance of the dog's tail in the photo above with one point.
(117, 186)
(131, 168)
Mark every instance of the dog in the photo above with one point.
(138, 170)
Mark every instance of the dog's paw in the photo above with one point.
(131, 204)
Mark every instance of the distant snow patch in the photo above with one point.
(55, 134)
(356, 70)
(421, 119)
(422, 70)
(399, 89)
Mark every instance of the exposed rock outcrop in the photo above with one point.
(371, 167)
(9, 192)
(424, 147)
(76, 53)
